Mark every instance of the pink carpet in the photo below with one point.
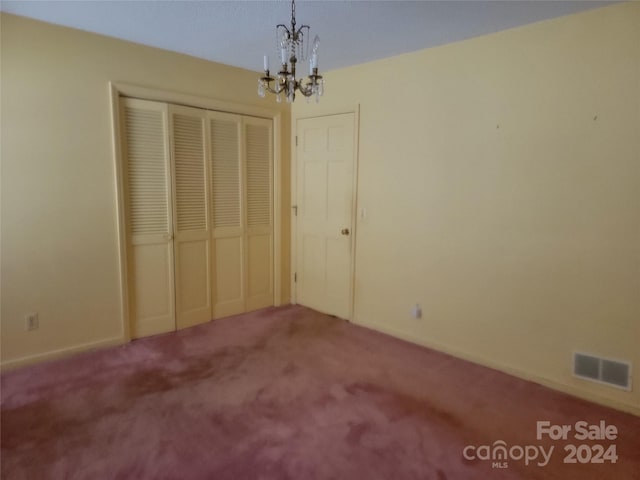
(289, 393)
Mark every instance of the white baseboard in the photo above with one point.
(487, 362)
(60, 353)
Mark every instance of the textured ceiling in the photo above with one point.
(239, 32)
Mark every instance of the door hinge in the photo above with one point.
(295, 277)
(296, 140)
(295, 210)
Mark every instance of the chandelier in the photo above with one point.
(293, 47)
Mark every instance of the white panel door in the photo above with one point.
(147, 185)
(189, 148)
(258, 213)
(225, 166)
(325, 174)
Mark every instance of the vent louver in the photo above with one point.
(602, 370)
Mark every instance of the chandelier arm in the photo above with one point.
(306, 89)
(299, 30)
(280, 87)
(271, 90)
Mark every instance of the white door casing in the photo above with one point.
(325, 169)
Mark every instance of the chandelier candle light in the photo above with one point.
(293, 47)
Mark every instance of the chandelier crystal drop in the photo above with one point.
(293, 46)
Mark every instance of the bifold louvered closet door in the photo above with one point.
(149, 224)
(198, 202)
(259, 223)
(187, 129)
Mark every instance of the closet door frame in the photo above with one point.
(117, 91)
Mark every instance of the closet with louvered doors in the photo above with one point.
(198, 214)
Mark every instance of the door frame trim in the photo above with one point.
(355, 110)
(118, 90)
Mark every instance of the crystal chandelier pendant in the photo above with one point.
(292, 46)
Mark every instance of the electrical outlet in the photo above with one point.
(31, 321)
(416, 312)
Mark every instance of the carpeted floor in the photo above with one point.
(290, 393)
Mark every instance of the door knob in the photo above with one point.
(344, 231)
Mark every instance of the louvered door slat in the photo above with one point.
(146, 171)
(225, 173)
(258, 154)
(191, 206)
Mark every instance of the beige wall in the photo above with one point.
(59, 215)
(501, 178)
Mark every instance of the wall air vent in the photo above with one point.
(602, 370)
